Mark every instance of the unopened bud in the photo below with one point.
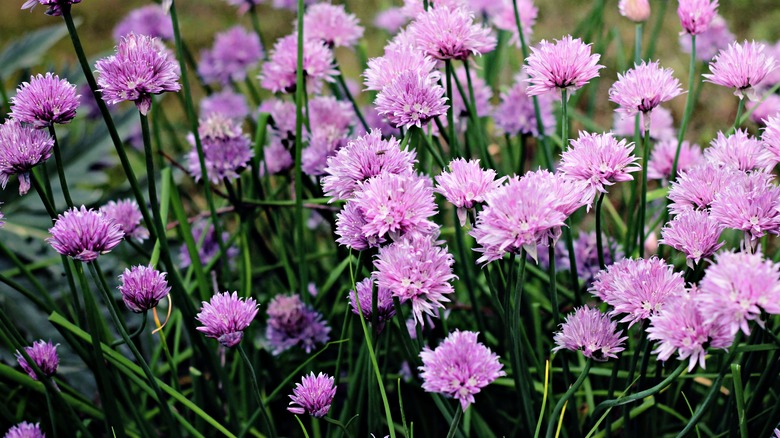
(635, 10)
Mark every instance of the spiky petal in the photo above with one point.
(291, 323)
(127, 215)
(84, 234)
(21, 149)
(45, 356)
(465, 183)
(226, 316)
(694, 233)
(741, 67)
(643, 88)
(696, 15)
(142, 287)
(450, 33)
(313, 395)
(566, 64)
(592, 332)
(44, 101)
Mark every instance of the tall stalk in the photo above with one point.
(690, 99)
(300, 91)
(643, 200)
(60, 169)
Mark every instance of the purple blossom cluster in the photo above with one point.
(292, 323)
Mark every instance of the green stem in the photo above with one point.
(740, 108)
(638, 43)
(643, 200)
(551, 425)
(451, 111)
(300, 91)
(599, 243)
(690, 100)
(455, 422)
(135, 334)
(475, 117)
(564, 120)
(642, 394)
(60, 169)
(258, 395)
(554, 304)
(343, 83)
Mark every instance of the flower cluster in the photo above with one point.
(44, 354)
(84, 234)
(592, 332)
(226, 316)
(291, 323)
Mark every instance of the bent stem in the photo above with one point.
(269, 426)
(133, 335)
(559, 406)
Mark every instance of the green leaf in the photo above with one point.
(28, 50)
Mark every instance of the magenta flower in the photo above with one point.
(21, 149)
(465, 183)
(282, 116)
(44, 101)
(599, 160)
(696, 15)
(225, 317)
(235, 51)
(740, 151)
(84, 234)
(349, 227)
(331, 24)
(503, 13)
(127, 215)
(637, 288)
(228, 103)
(459, 367)
(450, 33)
(416, 269)
(683, 329)
(276, 158)
(44, 354)
(397, 59)
(660, 121)
(635, 10)
(150, 20)
(25, 429)
(279, 72)
(313, 395)
(742, 67)
(738, 288)
(592, 332)
(750, 204)
(515, 114)
(291, 323)
(764, 110)
(711, 41)
(411, 99)
(226, 149)
(771, 138)
(385, 309)
(55, 6)
(363, 158)
(694, 233)
(142, 287)
(662, 158)
(566, 64)
(697, 187)
(643, 88)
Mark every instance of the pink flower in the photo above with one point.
(742, 67)
(643, 88)
(279, 72)
(450, 33)
(412, 99)
(771, 138)
(662, 158)
(740, 151)
(397, 59)
(693, 233)
(660, 120)
(635, 10)
(349, 227)
(566, 64)
(465, 183)
(592, 332)
(708, 43)
(313, 395)
(750, 204)
(331, 24)
(504, 17)
(696, 15)
(697, 187)
(516, 114)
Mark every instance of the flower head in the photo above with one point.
(226, 102)
(313, 395)
(226, 149)
(291, 323)
(412, 99)
(25, 429)
(465, 183)
(385, 309)
(349, 227)
(21, 149)
(142, 287)
(591, 332)
(150, 20)
(740, 151)
(205, 237)
(742, 67)
(44, 101)
(750, 203)
(635, 10)
(44, 354)
(450, 33)
(696, 15)
(235, 51)
(697, 187)
(84, 234)
(127, 215)
(643, 88)
(390, 20)
(764, 110)
(694, 233)
(276, 158)
(279, 72)
(459, 367)
(663, 155)
(331, 24)
(55, 6)
(225, 317)
(771, 137)
(566, 64)
(711, 41)
(397, 59)
(503, 14)
(516, 114)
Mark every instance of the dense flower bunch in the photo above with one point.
(226, 316)
(292, 323)
(592, 332)
(44, 101)
(84, 234)
(44, 354)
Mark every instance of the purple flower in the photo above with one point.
(331, 24)
(84, 234)
(465, 183)
(592, 332)
(711, 41)
(586, 255)
(362, 159)
(313, 395)
(21, 149)
(697, 187)
(349, 227)
(739, 151)
(599, 160)
(504, 17)
(635, 10)
(763, 110)
(737, 288)
(398, 59)
(450, 33)
(390, 20)
(459, 367)
(55, 6)
(226, 149)
(151, 20)
(412, 99)
(396, 205)
(282, 116)
(742, 67)
(127, 215)
(330, 120)
(416, 269)
(142, 287)
(637, 288)
(291, 323)
(44, 101)
(681, 327)
(662, 158)
(773, 77)
(44, 354)
(696, 15)
(279, 72)
(771, 138)
(385, 309)
(750, 204)
(25, 429)
(566, 64)
(140, 68)
(225, 317)
(693, 233)
(515, 114)
(228, 103)
(643, 88)
(660, 121)
(413, 8)
(235, 51)
(205, 238)
(276, 158)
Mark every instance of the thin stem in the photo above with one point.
(643, 200)
(455, 422)
(256, 26)
(60, 169)
(135, 334)
(343, 83)
(690, 99)
(551, 425)
(599, 243)
(300, 91)
(564, 120)
(638, 43)
(450, 110)
(740, 109)
(554, 304)
(642, 394)
(258, 395)
(475, 118)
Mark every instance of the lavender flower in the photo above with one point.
(503, 14)
(586, 255)
(44, 101)
(660, 121)
(697, 187)
(466, 184)
(235, 51)
(331, 24)
(205, 238)
(398, 59)
(450, 33)
(44, 354)
(279, 72)
(84, 234)
(276, 158)
(142, 287)
(226, 149)
(643, 88)
(313, 395)
(349, 227)
(126, 214)
(244, 6)
(635, 10)
(459, 367)
(742, 67)
(416, 269)
(662, 158)
(411, 99)
(330, 120)
(566, 64)
(362, 159)
(771, 138)
(390, 20)
(740, 151)
(737, 288)
(599, 160)
(592, 332)
(25, 429)
(696, 15)
(765, 109)
(55, 6)
(693, 233)
(291, 323)
(21, 149)
(637, 288)
(385, 309)
(140, 68)
(516, 115)
(413, 8)
(711, 41)
(225, 317)
(150, 20)
(228, 103)
(750, 204)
